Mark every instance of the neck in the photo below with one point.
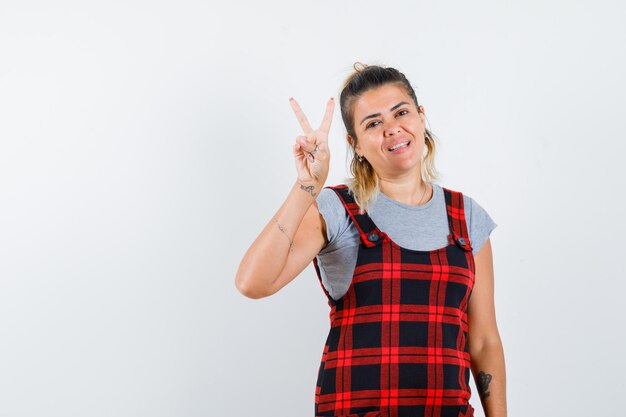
(409, 190)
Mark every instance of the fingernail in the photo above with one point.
(290, 98)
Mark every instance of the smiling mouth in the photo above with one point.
(400, 145)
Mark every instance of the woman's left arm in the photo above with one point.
(485, 346)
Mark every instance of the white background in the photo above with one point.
(144, 145)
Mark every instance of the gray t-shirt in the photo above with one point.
(422, 227)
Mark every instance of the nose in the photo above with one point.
(392, 128)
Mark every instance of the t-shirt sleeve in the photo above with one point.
(479, 223)
(335, 216)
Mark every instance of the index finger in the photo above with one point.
(304, 122)
(328, 116)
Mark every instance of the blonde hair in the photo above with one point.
(364, 183)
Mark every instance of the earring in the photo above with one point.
(360, 158)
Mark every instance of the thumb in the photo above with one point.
(306, 144)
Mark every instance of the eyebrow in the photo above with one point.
(378, 114)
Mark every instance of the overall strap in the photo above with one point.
(456, 219)
(370, 234)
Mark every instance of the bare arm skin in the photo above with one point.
(297, 232)
(270, 264)
(485, 346)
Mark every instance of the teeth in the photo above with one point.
(393, 148)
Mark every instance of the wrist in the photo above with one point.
(312, 189)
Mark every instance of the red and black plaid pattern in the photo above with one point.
(397, 343)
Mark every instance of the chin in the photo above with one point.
(409, 165)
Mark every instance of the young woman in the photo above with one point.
(405, 263)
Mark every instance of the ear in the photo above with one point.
(351, 141)
(422, 112)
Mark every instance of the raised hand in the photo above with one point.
(311, 149)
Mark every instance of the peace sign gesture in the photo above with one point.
(311, 150)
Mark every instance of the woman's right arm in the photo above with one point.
(297, 232)
(272, 261)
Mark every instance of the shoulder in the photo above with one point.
(470, 206)
(479, 223)
(332, 210)
(328, 198)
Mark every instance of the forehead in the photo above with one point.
(380, 99)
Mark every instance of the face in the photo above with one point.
(389, 130)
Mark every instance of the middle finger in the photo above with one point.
(328, 116)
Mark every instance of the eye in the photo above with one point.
(403, 112)
(372, 124)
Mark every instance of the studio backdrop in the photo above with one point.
(144, 145)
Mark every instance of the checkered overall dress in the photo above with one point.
(397, 345)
